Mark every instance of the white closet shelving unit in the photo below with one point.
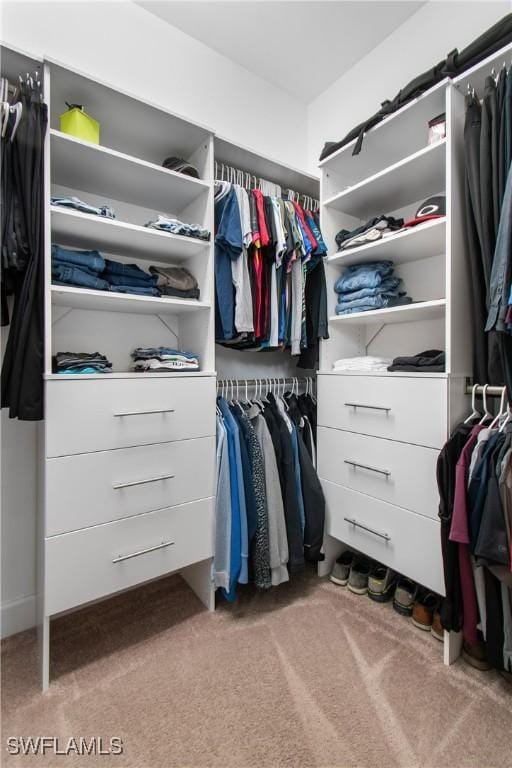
(380, 434)
(121, 499)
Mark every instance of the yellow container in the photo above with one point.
(78, 123)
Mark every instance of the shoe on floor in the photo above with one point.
(358, 579)
(476, 655)
(341, 568)
(436, 629)
(405, 595)
(381, 584)
(423, 610)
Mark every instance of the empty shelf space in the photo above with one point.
(88, 231)
(417, 243)
(416, 177)
(109, 301)
(105, 172)
(409, 313)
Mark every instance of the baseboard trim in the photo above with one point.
(18, 615)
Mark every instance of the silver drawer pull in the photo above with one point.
(365, 528)
(120, 558)
(371, 407)
(385, 472)
(142, 413)
(142, 482)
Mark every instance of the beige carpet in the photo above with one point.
(306, 674)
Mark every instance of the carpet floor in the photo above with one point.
(305, 675)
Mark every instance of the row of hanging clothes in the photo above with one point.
(24, 120)
(270, 507)
(270, 290)
(474, 473)
(488, 189)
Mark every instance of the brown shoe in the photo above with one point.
(476, 655)
(423, 611)
(436, 629)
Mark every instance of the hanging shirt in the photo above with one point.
(244, 322)
(223, 511)
(228, 247)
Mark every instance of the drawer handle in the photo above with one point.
(142, 413)
(385, 472)
(365, 528)
(371, 407)
(143, 482)
(120, 558)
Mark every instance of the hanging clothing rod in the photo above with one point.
(269, 380)
(491, 391)
(226, 172)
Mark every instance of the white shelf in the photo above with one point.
(399, 134)
(400, 374)
(408, 313)
(417, 243)
(415, 177)
(127, 122)
(126, 375)
(111, 174)
(256, 164)
(109, 301)
(83, 230)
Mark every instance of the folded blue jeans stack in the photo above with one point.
(363, 287)
(88, 269)
(78, 268)
(79, 205)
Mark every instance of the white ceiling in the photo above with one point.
(301, 47)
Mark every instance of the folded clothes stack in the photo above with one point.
(88, 269)
(380, 227)
(158, 359)
(81, 362)
(374, 229)
(176, 281)
(430, 361)
(366, 363)
(79, 268)
(78, 205)
(177, 227)
(369, 286)
(129, 278)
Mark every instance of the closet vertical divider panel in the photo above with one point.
(380, 433)
(127, 459)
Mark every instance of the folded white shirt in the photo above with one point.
(366, 363)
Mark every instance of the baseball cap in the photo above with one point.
(181, 166)
(433, 208)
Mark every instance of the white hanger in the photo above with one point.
(474, 413)
(508, 418)
(502, 411)
(487, 414)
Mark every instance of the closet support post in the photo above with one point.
(452, 647)
(199, 579)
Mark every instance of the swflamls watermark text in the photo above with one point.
(55, 745)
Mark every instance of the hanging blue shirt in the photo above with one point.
(228, 247)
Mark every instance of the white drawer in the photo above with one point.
(396, 472)
(402, 540)
(96, 415)
(89, 564)
(93, 488)
(410, 409)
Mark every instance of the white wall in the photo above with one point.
(421, 41)
(127, 46)
(123, 44)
